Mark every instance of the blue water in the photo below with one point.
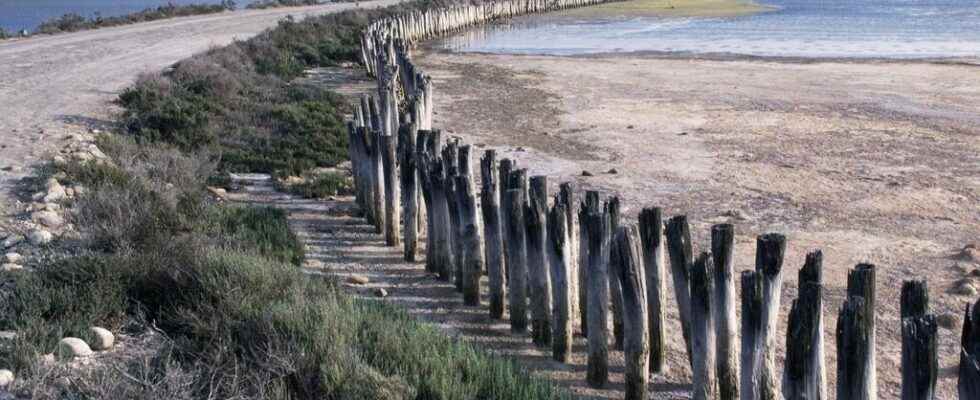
(16, 15)
(797, 28)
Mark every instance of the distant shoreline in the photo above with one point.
(673, 8)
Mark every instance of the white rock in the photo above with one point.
(38, 196)
(8, 335)
(55, 192)
(12, 257)
(71, 347)
(49, 219)
(41, 237)
(10, 267)
(6, 377)
(82, 156)
(12, 241)
(79, 190)
(358, 279)
(102, 339)
(51, 206)
(95, 152)
(59, 160)
(70, 192)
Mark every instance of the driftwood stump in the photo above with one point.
(803, 373)
(681, 256)
(598, 224)
(920, 364)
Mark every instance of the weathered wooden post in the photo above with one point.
(536, 220)
(760, 308)
(450, 159)
(969, 373)
(627, 267)
(920, 364)
(598, 224)
(803, 373)
(441, 222)
(615, 291)
(723, 254)
(503, 173)
(652, 242)
(680, 250)
(566, 195)
(516, 260)
(856, 337)
(471, 241)
(589, 205)
(705, 383)
(490, 199)
(559, 257)
(410, 189)
(378, 181)
(392, 193)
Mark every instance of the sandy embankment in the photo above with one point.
(868, 161)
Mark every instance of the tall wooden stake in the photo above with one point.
(804, 377)
(493, 233)
(559, 257)
(625, 262)
(536, 220)
(652, 241)
(516, 260)
(856, 337)
(723, 252)
(598, 225)
(681, 255)
(920, 365)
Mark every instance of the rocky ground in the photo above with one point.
(868, 161)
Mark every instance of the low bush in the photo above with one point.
(281, 3)
(320, 186)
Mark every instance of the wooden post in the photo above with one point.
(920, 364)
(423, 158)
(472, 254)
(681, 255)
(626, 264)
(441, 223)
(559, 257)
(589, 205)
(856, 337)
(410, 189)
(760, 308)
(516, 260)
(705, 384)
(378, 181)
(536, 220)
(566, 195)
(598, 224)
(651, 237)
(969, 373)
(615, 291)
(450, 159)
(392, 193)
(723, 254)
(503, 173)
(803, 376)
(489, 196)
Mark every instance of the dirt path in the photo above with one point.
(51, 85)
(868, 161)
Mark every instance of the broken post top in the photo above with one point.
(915, 299)
(615, 207)
(566, 193)
(722, 249)
(651, 227)
(464, 160)
(702, 281)
(861, 283)
(812, 271)
(679, 238)
(770, 249)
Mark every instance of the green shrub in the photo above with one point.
(263, 230)
(73, 22)
(321, 186)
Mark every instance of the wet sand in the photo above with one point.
(870, 161)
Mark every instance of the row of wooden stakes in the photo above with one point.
(549, 265)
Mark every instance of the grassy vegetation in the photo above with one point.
(73, 22)
(4, 34)
(236, 316)
(263, 4)
(319, 186)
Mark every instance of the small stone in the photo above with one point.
(6, 377)
(964, 288)
(970, 253)
(49, 219)
(95, 131)
(219, 192)
(96, 152)
(8, 267)
(358, 279)
(13, 257)
(8, 335)
(629, 126)
(38, 196)
(948, 320)
(59, 160)
(612, 171)
(55, 192)
(41, 237)
(102, 339)
(71, 347)
(12, 241)
(975, 273)
(586, 173)
(380, 292)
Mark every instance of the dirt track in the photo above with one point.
(51, 85)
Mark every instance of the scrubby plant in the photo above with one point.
(319, 186)
(73, 22)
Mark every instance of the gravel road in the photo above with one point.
(54, 85)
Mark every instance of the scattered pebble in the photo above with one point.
(41, 237)
(948, 321)
(71, 347)
(629, 126)
(102, 339)
(8, 267)
(12, 257)
(971, 253)
(586, 173)
(219, 192)
(358, 279)
(975, 273)
(49, 219)
(12, 241)
(380, 292)
(6, 377)
(612, 171)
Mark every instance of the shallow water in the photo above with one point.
(16, 15)
(797, 28)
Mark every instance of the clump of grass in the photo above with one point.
(319, 186)
(73, 22)
(264, 4)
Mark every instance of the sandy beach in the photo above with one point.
(868, 161)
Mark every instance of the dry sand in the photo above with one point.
(869, 161)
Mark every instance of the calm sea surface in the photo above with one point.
(28, 14)
(797, 28)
